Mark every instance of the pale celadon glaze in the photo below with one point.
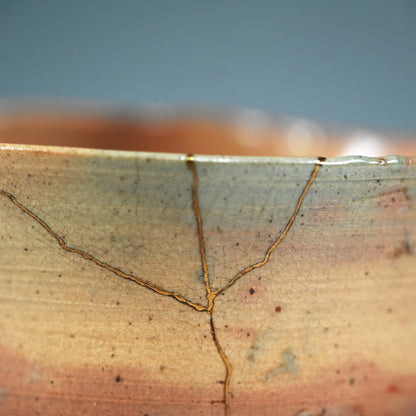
(325, 323)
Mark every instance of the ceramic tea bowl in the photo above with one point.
(187, 284)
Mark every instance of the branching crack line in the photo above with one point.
(98, 262)
(280, 238)
(210, 294)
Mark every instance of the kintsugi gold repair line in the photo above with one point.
(98, 262)
(211, 295)
(190, 163)
(281, 236)
(228, 366)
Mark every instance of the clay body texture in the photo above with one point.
(194, 285)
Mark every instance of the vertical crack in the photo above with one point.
(228, 366)
(190, 163)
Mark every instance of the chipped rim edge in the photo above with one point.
(129, 154)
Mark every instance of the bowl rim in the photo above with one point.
(352, 160)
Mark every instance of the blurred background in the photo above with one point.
(341, 62)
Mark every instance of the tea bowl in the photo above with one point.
(161, 283)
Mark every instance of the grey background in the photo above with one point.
(351, 62)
